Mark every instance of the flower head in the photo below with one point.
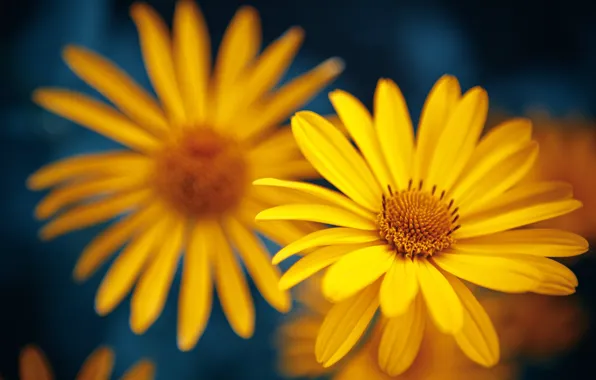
(414, 214)
(184, 182)
(99, 366)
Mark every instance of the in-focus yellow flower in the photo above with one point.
(184, 185)
(417, 214)
(98, 366)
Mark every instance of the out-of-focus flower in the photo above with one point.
(184, 185)
(529, 326)
(98, 366)
(413, 216)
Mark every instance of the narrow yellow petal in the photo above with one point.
(523, 205)
(498, 144)
(151, 292)
(143, 370)
(317, 213)
(295, 168)
(157, 53)
(107, 242)
(289, 98)
(399, 287)
(394, 131)
(78, 191)
(98, 366)
(118, 87)
(258, 263)
(401, 339)
(500, 178)
(510, 274)
(329, 236)
(359, 123)
(109, 163)
(127, 267)
(458, 139)
(314, 262)
(478, 338)
(325, 195)
(336, 159)
(196, 288)
(33, 365)
(232, 288)
(344, 325)
(442, 302)
(437, 108)
(537, 242)
(89, 214)
(192, 57)
(96, 116)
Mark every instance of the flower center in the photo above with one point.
(415, 222)
(202, 173)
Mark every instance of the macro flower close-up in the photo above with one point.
(415, 214)
(182, 183)
(33, 365)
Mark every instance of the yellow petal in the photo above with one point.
(502, 177)
(98, 366)
(537, 242)
(117, 87)
(314, 262)
(329, 236)
(293, 168)
(478, 338)
(152, 290)
(196, 288)
(394, 131)
(258, 263)
(399, 287)
(520, 206)
(107, 242)
(317, 213)
(401, 339)
(290, 97)
(127, 267)
(344, 325)
(157, 53)
(436, 110)
(89, 214)
(114, 162)
(325, 195)
(359, 123)
(232, 288)
(78, 191)
(510, 274)
(498, 144)
(143, 370)
(33, 365)
(355, 271)
(192, 58)
(442, 302)
(458, 140)
(96, 116)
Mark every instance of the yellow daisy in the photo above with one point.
(184, 185)
(98, 366)
(415, 214)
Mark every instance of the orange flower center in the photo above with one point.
(415, 222)
(202, 173)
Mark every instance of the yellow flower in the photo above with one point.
(418, 214)
(98, 366)
(184, 185)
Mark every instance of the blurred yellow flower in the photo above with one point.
(98, 366)
(413, 216)
(184, 185)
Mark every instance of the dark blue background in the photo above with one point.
(525, 53)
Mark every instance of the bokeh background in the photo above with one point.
(526, 54)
